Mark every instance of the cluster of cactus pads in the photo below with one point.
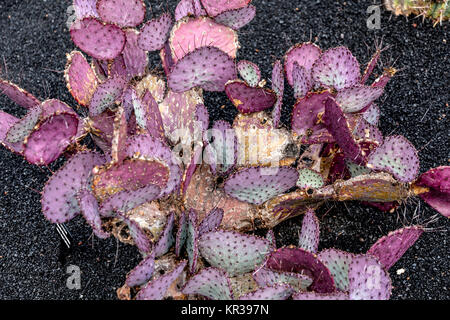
(185, 191)
(437, 10)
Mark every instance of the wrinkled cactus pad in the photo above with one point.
(155, 33)
(368, 280)
(143, 272)
(337, 68)
(80, 78)
(99, 40)
(211, 283)
(157, 288)
(258, 184)
(236, 18)
(309, 235)
(207, 67)
(300, 261)
(389, 249)
(59, 202)
(248, 99)
(233, 252)
(125, 13)
(396, 156)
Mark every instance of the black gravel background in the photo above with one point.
(33, 43)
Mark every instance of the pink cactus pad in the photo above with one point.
(59, 203)
(190, 34)
(125, 13)
(18, 95)
(99, 40)
(183, 9)
(56, 130)
(143, 272)
(364, 131)
(277, 292)
(157, 288)
(355, 98)
(80, 78)
(135, 58)
(247, 99)
(258, 184)
(85, 8)
(389, 249)
(139, 236)
(300, 261)
(320, 296)
(368, 280)
(106, 95)
(249, 72)
(149, 147)
(155, 33)
(236, 18)
(396, 156)
(371, 65)
(124, 201)
(148, 116)
(103, 127)
(337, 262)
(305, 55)
(207, 67)
(216, 7)
(166, 58)
(278, 88)
(438, 180)
(265, 277)
(309, 235)
(131, 174)
(233, 252)
(211, 283)
(211, 222)
(117, 68)
(166, 239)
(336, 68)
(306, 122)
(301, 81)
(338, 126)
(372, 114)
(89, 209)
(6, 122)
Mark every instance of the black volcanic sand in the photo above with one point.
(34, 41)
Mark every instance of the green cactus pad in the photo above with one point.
(249, 72)
(397, 156)
(233, 252)
(338, 263)
(309, 179)
(211, 283)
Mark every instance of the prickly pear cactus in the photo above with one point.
(184, 193)
(437, 10)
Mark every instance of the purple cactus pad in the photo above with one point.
(89, 209)
(143, 272)
(356, 98)
(265, 277)
(166, 239)
(277, 292)
(247, 99)
(18, 95)
(320, 296)
(236, 18)
(125, 13)
(216, 7)
(309, 235)
(305, 55)
(107, 94)
(134, 57)
(211, 222)
(85, 8)
(337, 262)
(249, 72)
(278, 88)
(155, 33)
(211, 283)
